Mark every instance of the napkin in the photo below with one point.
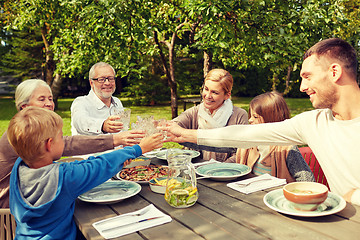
(128, 223)
(257, 183)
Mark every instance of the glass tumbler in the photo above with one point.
(124, 114)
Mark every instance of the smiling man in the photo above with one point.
(329, 77)
(90, 114)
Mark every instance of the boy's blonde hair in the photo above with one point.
(30, 128)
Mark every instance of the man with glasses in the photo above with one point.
(90, 114)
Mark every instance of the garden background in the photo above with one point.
(161, 50)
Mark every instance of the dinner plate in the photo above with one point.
(276, 201)
(162, 154)
(153, 153)
(117, 176)
(223, 171)
(111, 192)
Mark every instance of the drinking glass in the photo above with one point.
(124, 114)
(149, 125)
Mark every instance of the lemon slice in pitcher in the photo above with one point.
(180, 192)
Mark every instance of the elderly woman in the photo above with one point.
(216, 110)
(36, 92)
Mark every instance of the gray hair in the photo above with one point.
(24, 91)
(96, 65)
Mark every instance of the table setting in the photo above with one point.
(196, 187)
(111, 191)
(257, 183)
(131, 222)
(214, 174)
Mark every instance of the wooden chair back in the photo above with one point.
(7, 224)
(314, 165)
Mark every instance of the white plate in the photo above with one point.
(153, 153)
(162, 154)
(111, 192)
(140, 182)
(223, 171)
(276, 201)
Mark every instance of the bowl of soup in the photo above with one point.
(305, 196)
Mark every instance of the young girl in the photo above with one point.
(279, 161)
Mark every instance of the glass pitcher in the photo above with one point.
(181, 190)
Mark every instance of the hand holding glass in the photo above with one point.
(124, 114)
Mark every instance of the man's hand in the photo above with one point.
(128, 138)
(152, 142)
(110, 125)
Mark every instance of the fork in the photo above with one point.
(138, 214)
(247, 184)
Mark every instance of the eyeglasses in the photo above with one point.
(111, 79)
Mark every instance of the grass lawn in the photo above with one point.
(7, 110)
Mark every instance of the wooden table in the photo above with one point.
(222, 213)
(194, 101)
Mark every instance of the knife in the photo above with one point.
(127, 224)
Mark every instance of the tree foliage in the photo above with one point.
(158, 47)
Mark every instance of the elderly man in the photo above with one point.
(90, 114)
(332, 130)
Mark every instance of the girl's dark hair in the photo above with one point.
(271, 106)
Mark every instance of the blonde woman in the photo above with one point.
(216, 110)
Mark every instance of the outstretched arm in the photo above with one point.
(128, 138)
(152, 142)
(178, 134)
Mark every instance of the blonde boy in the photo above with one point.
(43, 192)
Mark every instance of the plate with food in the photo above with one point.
(193, 154)
(223, 171)
(111, 192)
(142, 174)
(139, 161)
(277, 201)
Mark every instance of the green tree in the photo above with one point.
(155, 43)
(22, 59)
(264, 34)
(45, 18)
